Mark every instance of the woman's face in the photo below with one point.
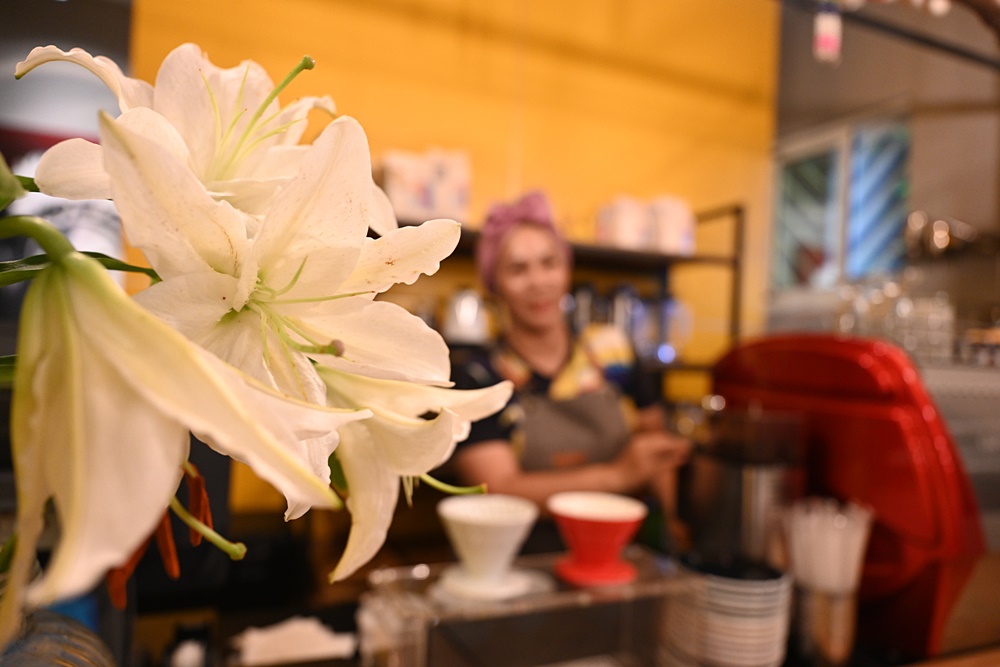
(532, 277)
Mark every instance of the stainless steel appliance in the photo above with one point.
(747, 466)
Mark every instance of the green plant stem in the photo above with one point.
(47, 235)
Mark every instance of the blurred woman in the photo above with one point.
(584, 417)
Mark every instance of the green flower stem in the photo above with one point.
(235, 550)
(448, 488)
(53, 242)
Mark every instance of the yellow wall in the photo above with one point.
(588, 99)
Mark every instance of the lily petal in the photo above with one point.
(130, 435)
(154, 127)
(254, 192)
(405, 398)
(294, 116)
(374, 503)
(165, 209)
(278, 163)
(393, 447)
(193, 303)
(380, 339)
(79, 328)
(130, 92)
(212, 399)
(383, 218)
(73, 169)
(396, 440)
(402, 256)
(239, 342)
(227, 131)
(248, 195)
(190, 90)
(325, 206)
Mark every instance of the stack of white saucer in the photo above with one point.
(729, 622)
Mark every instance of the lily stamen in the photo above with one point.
(284, 339)
(318, 299)
(249, 148)
(282, 325)
(450, 488)
(225, 139)
(294, 280)
(235, 550)
(312, 346)
(304, 64)
(334, 347)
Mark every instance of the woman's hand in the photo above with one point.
(647, 454)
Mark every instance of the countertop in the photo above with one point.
(984, 658)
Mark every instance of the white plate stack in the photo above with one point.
(729, 622)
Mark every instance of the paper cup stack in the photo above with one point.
(826, 544)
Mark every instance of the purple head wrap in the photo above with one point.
(532, 208)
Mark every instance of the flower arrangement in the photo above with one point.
(259, 334)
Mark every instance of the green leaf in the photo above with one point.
(112, 264)
(10, 185)
(28, 183)
(19, 270)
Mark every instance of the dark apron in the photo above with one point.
(589, 428)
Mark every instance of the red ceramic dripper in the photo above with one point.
(595, 527)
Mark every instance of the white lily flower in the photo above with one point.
(105, 395)
(225, 125)
(301, 290)
(396, 443)
(298, 295)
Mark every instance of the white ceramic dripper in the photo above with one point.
(486, 532)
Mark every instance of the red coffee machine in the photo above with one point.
(875, 437)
